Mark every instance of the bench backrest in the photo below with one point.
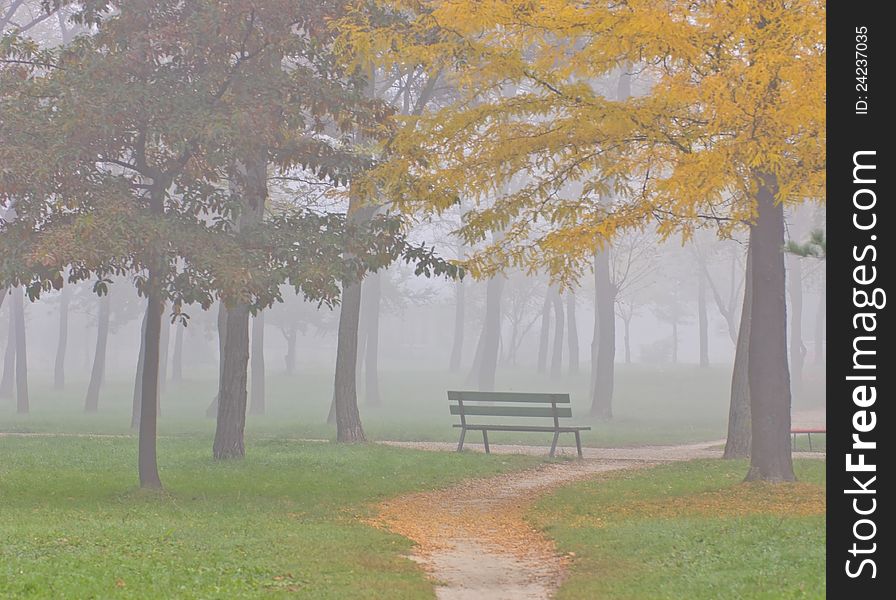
(509, 404)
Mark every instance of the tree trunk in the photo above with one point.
(177, 359)
(370, 296)
(703, 320)
(17, 306)
(557, 352)
(348, 417)
(491, 334)
(164, 343)
(674, 342)
(62, 344)
(290, 358)
(797, 348)
(458, 345)
(8, 381)
(573, 334)
(545, 335)
(232, 394)
(626, 323)
(149, 395)
(250, 181)
(738, 443)
(820, 316)
(97, 373)
(256, 355)
(473, 375)
(769, 377)
(221, 322)
(138, 380)
(602, 398)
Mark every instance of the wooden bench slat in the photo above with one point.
(465, 396)
(546, 428)
(511, 411)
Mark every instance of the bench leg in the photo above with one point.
(485, 440)
(460, 444)
(579, 444)
(554, 443)
(810, 441)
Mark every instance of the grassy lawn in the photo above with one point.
(284, 521)
(690, 530)
(653, 405)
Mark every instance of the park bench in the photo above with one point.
(808, 431)
(512, 405)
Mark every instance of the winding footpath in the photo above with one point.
(473, 539)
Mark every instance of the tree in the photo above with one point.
(573, 336)
(739, 439)
(559, 322)
(143, 122)
(98, 371)
(256, 354)
(17, 311)
(457, 340)
(729, 126)
(177, 358)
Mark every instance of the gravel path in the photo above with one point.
(473, 539)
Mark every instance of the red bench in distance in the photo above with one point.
(808, 431)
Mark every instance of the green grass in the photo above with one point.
(285, 521)
(690, 530)
(656, 405)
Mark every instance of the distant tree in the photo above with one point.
(144, 120)
(98, 371)
(62, 342)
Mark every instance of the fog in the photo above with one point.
(417, 320)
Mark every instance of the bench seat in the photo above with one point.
(514, 405)
(542, 428)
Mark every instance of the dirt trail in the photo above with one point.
(473, 539)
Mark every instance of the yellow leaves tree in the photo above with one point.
(725, 125)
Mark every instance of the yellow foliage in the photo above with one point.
(539, 143)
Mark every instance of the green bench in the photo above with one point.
(513, 405)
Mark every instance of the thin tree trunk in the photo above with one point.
(797, 348)
(557, 352)
(573, 334)
(8, 381)
(250, 181)
(212, 410)
(164, 343)
(371, 295)
(626, 323)
(674, 342)
(147, 461)
(177, 359)
(232, 394)
(62, 344)
(290, 358)
(770, 457)
(457, 345)
(602, 398)
(739, 420)
(491, 334)
(703, 320)
(473, 375)
(138, 380)
(348, 417)
(97, 373)
(256, 356)
(18, 308)
(820, 316)
(545, 335)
